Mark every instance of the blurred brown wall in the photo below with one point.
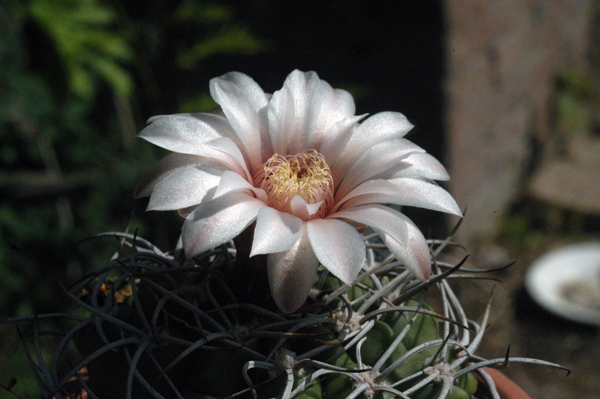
(503, 58)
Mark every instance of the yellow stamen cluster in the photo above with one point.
(305, 174)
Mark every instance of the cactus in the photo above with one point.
(159, 326)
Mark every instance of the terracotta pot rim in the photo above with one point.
(507, 389)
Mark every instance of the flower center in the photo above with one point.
(305, 174)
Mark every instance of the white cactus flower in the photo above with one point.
(304, 167)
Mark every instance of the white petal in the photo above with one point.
(167, 166)
(370, 187)
(337, 138)
(241, 106)
(232, 157)
(252, 91)
(302, 112)
(215, 119)
(180, 134)
(379, 217)
(184, 188)
(216, 222)
(259, 101)
(377, 159)
(232, 182)
(291, 274)
(275, 231)
(303, 210)
(377, 128)
(287, 112)
(421, 165)
(188, 135)
(424, 194)
(338, 246)
(415, 255)
(402, 191)
(327, 106)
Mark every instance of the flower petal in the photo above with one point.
(336, 138)
(377, 128)
(417, 165)
(327, 106)
(401, 191)
(184, 188)
(377, 159)
(303, 210)
(275, 231)
(379, 217)
(216, 222)
(248, 86)
(215, 119)
(232, 182)
(239, 97)
(188, 135)
(232, 157)
(167, 166)
(424, 194)
(338, 246)
(301, 113)
(287, 111)
(415, 255)
(291, 274)
(180, 134)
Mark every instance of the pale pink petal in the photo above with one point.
(303, 210)
(337, 137)
(338, 246)
(304, 110)
(183, 189)
(420, 165)
(287, 112)
(379, 217)
(216, 222)
(424, 194)
(191, 136)
(291, 274)
(231, 157)
(327, 107)
(185, 212)
(402, 191)
(215, 119)
(377, 159)
(180, 134)
(370, 187)
(275, 231)
(246, 85)
(232, 182)
(167, 166)
(415, 255)
(259, 101)
(377, 128)
(240, 106)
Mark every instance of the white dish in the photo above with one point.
(566, 282)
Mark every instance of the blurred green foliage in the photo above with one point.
(82, 34)
(77, 80)
(576, 102)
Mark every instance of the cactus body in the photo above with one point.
(160, 326)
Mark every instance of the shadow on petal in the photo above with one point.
(291, 274)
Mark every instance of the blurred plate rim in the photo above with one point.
(548, 275)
